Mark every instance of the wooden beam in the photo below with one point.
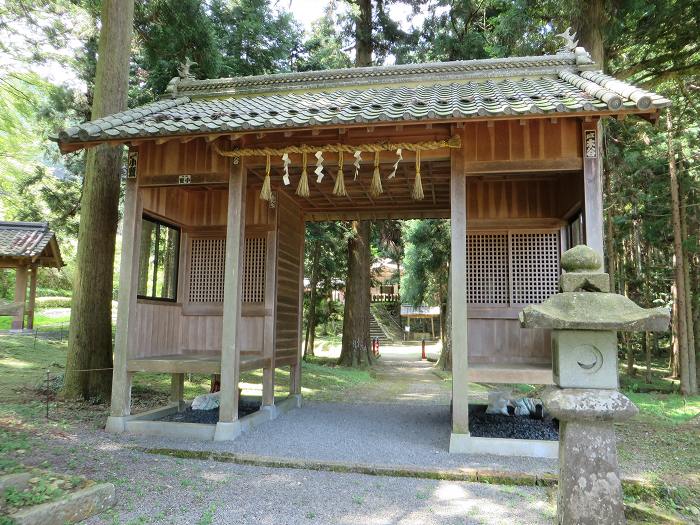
(367, 215)
(592, 185)
(458, 291)
(230, 349)
(126, 313)
(485, 167)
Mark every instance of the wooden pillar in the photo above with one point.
(458, 291)
(268, 393)
(593, 184)
(177, 391)
(126, 313)
(32, 297)
(295, 369)
(228, 428)
(20, 296)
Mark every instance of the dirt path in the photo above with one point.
(401, 377)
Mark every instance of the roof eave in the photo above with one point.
(650, 115)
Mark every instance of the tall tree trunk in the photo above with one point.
(678, 263)
(445, 360)
(169, 263)
(356, 340)
(674, 359)
(589, 27)
(90, 336)
(692, 370)
(609, 233)
(647, 356)
(356, 348)
(363, 34)
(144, 255)
(311, 321)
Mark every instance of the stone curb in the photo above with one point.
(16, 481)
(75, 507)
(492, 476)
(639, 512)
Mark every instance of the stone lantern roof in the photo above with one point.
(586, 304)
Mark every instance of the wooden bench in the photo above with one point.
(531, 374)
(194, 362)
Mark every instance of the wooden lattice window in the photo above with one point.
(487, 263)
(512, 268)
(207, 258)
(534, 266)
(207, 262)
(254, 270)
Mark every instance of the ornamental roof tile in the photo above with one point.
(554, 84)
(27, 240)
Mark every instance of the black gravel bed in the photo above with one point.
(482, 424)
(211, 417)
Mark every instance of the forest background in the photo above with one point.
(652, 216)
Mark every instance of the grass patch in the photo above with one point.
(54, 317)
(666, 408)
(23, 364)
(24, 361)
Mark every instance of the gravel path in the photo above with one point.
(378, 434)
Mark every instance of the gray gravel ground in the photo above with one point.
(157, 489)
(167, 490)
(379, 434)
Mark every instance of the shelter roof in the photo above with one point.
(33, 241)
(522, 86)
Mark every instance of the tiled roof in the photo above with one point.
(451, 90)
(26, 239)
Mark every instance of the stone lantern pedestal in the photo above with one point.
(584, 320)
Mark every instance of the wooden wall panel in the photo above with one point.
(290, 240)
(522, 145)
(258, 211)
(250, 333)
(570, 193)
(200, 333)
(190, 206)
(177, 158)
(493, 199)
(157, 328)
(503, 341)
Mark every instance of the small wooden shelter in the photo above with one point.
(409, 312)
(224, 173)
(26, 247)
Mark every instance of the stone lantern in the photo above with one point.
(584, 319)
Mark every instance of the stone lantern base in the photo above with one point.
(590, 491)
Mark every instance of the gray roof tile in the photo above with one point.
(25, 239)
(516, 86)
